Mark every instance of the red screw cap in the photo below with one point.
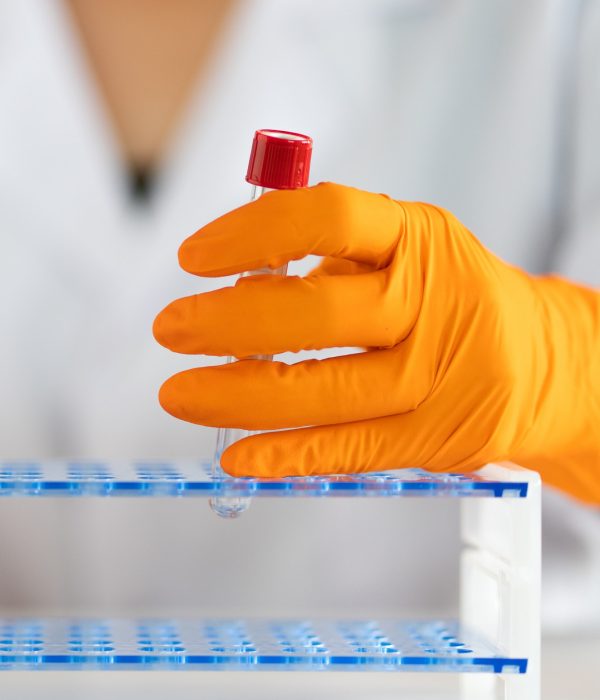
(279, 160)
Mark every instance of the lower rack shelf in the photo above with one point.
(242, 645)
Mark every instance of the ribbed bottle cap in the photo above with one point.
(279, 160)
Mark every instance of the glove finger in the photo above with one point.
(263, 395)
(266, 315)
(326, 220)
(414, 439)
(349, 448)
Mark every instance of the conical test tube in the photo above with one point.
(278, 160)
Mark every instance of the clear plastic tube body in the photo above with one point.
(233, 507)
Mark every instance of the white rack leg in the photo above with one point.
(501, 583)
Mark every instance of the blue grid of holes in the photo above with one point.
(244, 645)
(79, 478)
(89, 471)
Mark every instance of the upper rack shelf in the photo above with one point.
(192, 478)
(243, 645)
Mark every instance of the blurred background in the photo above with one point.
(125, 125)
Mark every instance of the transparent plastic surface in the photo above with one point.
(233, 507)
(195, 478)
(245, 645)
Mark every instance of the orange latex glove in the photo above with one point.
(470, 360)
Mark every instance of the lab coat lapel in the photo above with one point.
(48, 95)
(74, 191)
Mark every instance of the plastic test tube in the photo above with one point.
(279, 160)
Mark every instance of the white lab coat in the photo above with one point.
(489, 109)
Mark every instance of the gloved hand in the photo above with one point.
(469, 360)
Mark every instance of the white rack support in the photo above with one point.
(501, 583)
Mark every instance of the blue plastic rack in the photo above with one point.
(246, 645)
(193, 478)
